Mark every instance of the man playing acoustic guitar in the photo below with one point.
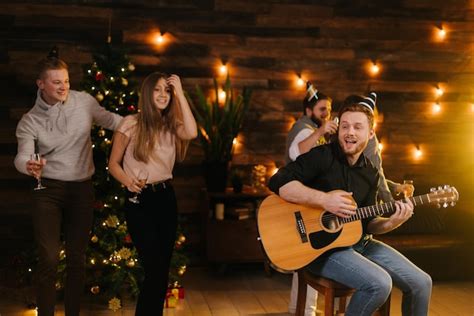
(333, 177)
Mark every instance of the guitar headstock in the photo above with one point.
(443, 196)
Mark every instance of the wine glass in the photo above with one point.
(142, 176)
(37, 157)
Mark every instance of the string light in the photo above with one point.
(441, 33)
(223, 69)
(374, 68)
(222, 96)
(439, 91)
(418, 153)
(436, 108)
(299, 81)
(159, 38)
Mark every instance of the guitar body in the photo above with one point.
(293, 235)
(280, 226)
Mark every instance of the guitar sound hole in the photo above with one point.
(330, 222)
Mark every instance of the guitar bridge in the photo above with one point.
(300, 227)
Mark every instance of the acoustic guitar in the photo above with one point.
(293, 235)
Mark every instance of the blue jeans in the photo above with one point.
(371, 267)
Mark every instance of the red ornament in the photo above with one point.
(99, 76)
(131, 108)
(127, 239)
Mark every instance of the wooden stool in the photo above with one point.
(330, 289)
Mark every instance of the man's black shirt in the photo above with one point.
(325, 168)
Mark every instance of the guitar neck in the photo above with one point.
(384, 208)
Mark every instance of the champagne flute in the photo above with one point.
(37, 157)
(142, 176)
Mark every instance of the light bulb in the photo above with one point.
(159, 39)
(375, 69)
(436, 108)
(300, 82)
(441, 33)
(223, 69)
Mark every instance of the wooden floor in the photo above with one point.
(245, 290)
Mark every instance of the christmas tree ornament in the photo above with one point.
(112, 221)
(127, 239)
(181, 238)
(131, 108)
(95, 239)
(124, 82)
(95, 290)
(131, 263)
(99, 97)
(131, 67)
(125, 253)
(99, 76)
(115, 304)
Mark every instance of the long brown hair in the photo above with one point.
(151, 120)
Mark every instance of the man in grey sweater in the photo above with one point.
(58, 127)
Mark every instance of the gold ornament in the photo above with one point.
(131, 67)
(181, 238)
(124, 253)
(58, 285)
(115, 304)
(131, 263)
(94, 239)
(124, 82)
(101, 132)
(99, 96)
(112, 221)
(95, 289)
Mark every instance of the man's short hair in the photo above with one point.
(352, 104)
(50, 63)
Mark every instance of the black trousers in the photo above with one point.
(68, 205)
(152, 225)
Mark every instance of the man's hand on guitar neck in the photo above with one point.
(403, 212)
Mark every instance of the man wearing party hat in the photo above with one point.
(314, 127)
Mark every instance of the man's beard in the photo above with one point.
(316, 120)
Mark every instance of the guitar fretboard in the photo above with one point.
(384, 208)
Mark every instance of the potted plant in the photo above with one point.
(219, 124)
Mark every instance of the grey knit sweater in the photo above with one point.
(61, 134)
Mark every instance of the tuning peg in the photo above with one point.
(445, 204)
(432, 189)
(440, 187)
(438, 205)
(446, 186)
(453, 203)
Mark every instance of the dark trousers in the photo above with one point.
(152, 225)
(66, 204)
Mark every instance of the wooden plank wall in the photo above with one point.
(266, 44)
